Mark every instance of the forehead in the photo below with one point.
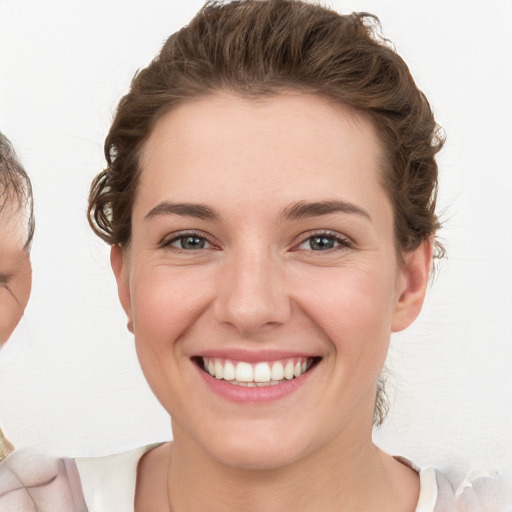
(225, 145)
(14, 226)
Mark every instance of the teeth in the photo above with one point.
(277, 371)
(289, 371)
(244, 372)
(260, 374)
(219, 370)
(229, 371)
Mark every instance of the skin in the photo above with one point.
(29, 482)
(15, 270)
(257, 284)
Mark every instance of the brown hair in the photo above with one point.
(258, 48)
(15, 186)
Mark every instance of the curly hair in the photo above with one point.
(258, 48)
(15, 185)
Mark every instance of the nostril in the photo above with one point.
(250, 318)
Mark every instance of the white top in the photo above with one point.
(109, 486)
(108, 483)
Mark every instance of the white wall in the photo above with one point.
(69, 381)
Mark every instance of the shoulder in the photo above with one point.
(32, 481)
(478, 491)
(109, 482)
(450, 491)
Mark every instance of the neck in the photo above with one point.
(336, 477)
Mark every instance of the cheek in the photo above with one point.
(24, 286)
(354, 308)
(166, 302)
(13, 302)
(11, 315)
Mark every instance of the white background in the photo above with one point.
(69, 378)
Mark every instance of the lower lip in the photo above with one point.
(245, 394)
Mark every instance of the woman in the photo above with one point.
(270, 203)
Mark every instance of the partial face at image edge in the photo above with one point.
(15, 268)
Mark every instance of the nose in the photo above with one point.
(252, 293)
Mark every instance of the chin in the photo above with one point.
(253, 448)
(257, 456)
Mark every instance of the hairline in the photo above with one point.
(383, 157)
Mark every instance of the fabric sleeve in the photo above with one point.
(31, 482)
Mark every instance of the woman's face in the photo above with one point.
(15, 269)
(262, 249)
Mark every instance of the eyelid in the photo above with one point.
(166, 242)
(4, 283)
(344, 241)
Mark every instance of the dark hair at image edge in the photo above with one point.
(259, 48)
(15, 185)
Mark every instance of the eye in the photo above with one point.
(187, 242)
(324, 242)
(4, 283)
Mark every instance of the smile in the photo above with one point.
(261, 374)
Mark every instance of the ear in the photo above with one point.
(119, 266)
(412, 286)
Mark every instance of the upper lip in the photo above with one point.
(253, 356)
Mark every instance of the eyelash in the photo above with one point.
(343, 242)
(4, 283)
(167, 243)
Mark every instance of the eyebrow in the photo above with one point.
(197, 211)
(295, 211)
(303, 209)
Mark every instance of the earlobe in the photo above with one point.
(415, 277)
(118, 263)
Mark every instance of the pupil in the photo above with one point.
(192, 242)
(321, 242)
